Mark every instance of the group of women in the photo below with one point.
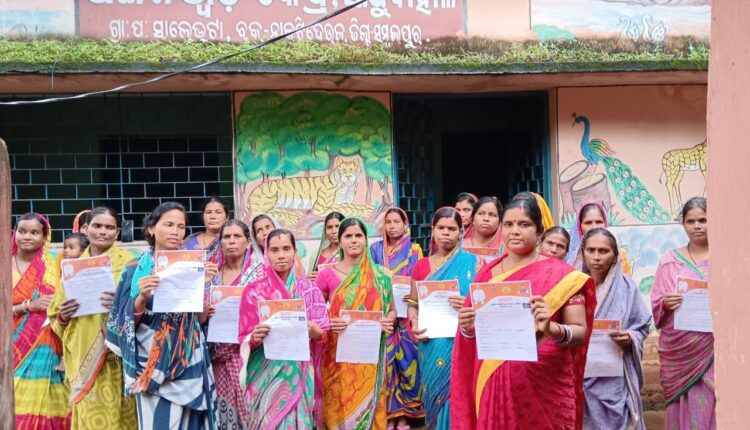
(136, 368)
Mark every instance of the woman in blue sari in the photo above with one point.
(165, 357)
(398, 255)
(447, 261)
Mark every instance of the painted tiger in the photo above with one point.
(288, 199)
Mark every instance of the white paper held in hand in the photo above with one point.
(604, 357)
(85, 279)
(182, 281)
(360, 342)
(223, 327)
(288, 338)
(436, 314)
(503, 322)
(694, 314)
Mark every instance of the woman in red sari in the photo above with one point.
(465, 206)
(542, 395)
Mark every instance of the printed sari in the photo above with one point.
(164, 356)
(318, 257)
(231, 408)
(435, 356)
(403, 379)
(94, 373)
(542, 395)
(212, 249)
(281, 394)
(615, 403)
(41, 392)
(354, 394)
(686, 357)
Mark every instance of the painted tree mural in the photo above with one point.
(311, 148)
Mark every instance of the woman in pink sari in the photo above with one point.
(485, 240)
(686, 357)
(281, 394)
(542, 395)
(465, 206)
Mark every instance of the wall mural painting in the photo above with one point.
(302, 155)
(642, 161)
(24, 18)
(637, 20)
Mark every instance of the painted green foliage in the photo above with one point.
(280, 136)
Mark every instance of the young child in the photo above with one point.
(74, 245)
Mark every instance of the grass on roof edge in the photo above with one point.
(451, 53)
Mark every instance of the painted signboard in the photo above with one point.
(402, 22)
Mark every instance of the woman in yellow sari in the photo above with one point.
(97, 393)
(354, 394)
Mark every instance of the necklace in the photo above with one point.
(691, 255)
(336, 267)
(480, 246)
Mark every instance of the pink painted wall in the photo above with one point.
(728, 128)
(641, 125)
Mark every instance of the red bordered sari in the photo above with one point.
(547, 394)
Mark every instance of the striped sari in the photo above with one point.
(94, 373)
(354, 394)
(402, 372)
(231, 410)
(165, 358)
(436, 354)
(41, 393)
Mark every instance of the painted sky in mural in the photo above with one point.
(23, 18)
(638, 20)
(302, 155)
(405, 22)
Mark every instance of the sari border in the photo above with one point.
(555, 298)
(689, 264)
(691, 383)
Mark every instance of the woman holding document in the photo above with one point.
(398, 254)
(447, 261)
(41, 392)
(548, 393)
(281, 394)
(239, 265)
(94, 373)
(354, 390)
(164, 355)
(614, 401)
(686, 357)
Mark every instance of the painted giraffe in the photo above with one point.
(674, 164)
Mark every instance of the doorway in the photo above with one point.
(486, 144)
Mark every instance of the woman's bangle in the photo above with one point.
(60, 321)
(466, 335)
(567, 336)
(27, 306)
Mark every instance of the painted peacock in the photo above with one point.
(630, 191)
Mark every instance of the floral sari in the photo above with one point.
(231, 409)
(41, 392)
(354, 394)
(436, 354)
(281, 394)
(686, 357)
(165, 358)
(94, 373)
(542, 395)
(402, 372)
